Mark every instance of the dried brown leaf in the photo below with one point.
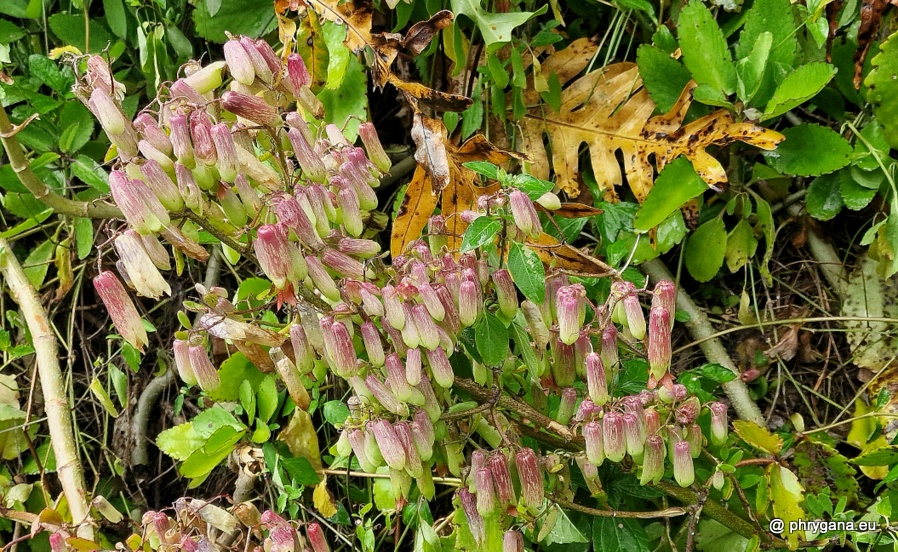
(420, 34)
(572, 210)
(610, 112)
(411, 219)
(562, 256)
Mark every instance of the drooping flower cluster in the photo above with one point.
(294, 194)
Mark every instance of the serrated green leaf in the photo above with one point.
(706, 249)
(882, 87)
(705, 50)
(810, 150)
(758, 437)
(338, 53)
(786, 496)
(798, 87)
(528, 272)
(883, 456)
(676, 185)
(216, 449)
(664, 77)
(233, 372)
(716, 372)
(855, 196)
(491, 337)
(775, 17)
(750, 69)
(479, 233)
(563, 531)
(180, 441)
(824, 198)
(212, 419)
(46, 70)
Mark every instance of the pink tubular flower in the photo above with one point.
(158, 181)
(413, 464)
(566, 406)
(571, 308)
(206, 374)
(596, 381)
(659, 343)
(512, 541)
(684, 471)
(719, 425)
(260, 65)
(440, 367)
(613, 437)
(297, 74)
(531, 478)
(469, 301)
(595, 442)
(390, 446)
(524, 213)
(343, 352)
(139, 267)
(239, 63)
(124, 315)
(498, 465)
(475, 520)
(426, 328)
(373, 346)
(505, 292)
(138, 203)
(180, 139)
(316, 536)
(226, 151)
(485, 492)
(652, 460)
(272, 250)
(252, 108)
(374, 148)
(309, 161)
(343, 264)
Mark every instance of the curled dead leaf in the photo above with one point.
(562, 256)
(572, 210)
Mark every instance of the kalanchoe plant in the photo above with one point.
(425, 346)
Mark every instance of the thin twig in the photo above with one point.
(674, 511)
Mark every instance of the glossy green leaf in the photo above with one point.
(10, 32)
(483, 168)
(798, 87)
(335, 412)
(338, 53)
(266, 398)
(479, 233)
(491, 337)
(705, 250)
(248, 401)
(855, 196)
(232, 373)
(563, 531)
(69, 28)
(84, 237)
(532, 186)
(528, 272)
(212, 419)
(88, 171)
(116, 17)
(810, 150)
(824, 198)
(213, 452)
(676, 185)
(705, 50)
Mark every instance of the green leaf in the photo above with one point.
(824, 199)
(339, 54)
(775, 17)
(479, 233)
(715, 537)
(664, 77)
(670, 232)
(532, 186)
(619, 534)
(99, 393)
(798, 87)
(495, 28)
(232, 373)
(212, 419)
(758, 437)
(705, 250)
(249, 17)
(216, 449)
(23, 9)
(84, 237)
(248, 401)
(563, 530)
(716, 372)
(46, 70)
(180, 441)
(483, 168)
(523, 346)
(347, 106)
(676, 185)
(335, 412)
(10, 32)
(810, 150)
(491, 337)
(786, 495)
(855, 196)
(88, 171)
(704, 48)
(301, 471)
(116, 17)
(528, 272)
(750, 69)
(70, 30)
(267, 398)
(741, 245)
(883, 456)
(882, 87)
(37, 262)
